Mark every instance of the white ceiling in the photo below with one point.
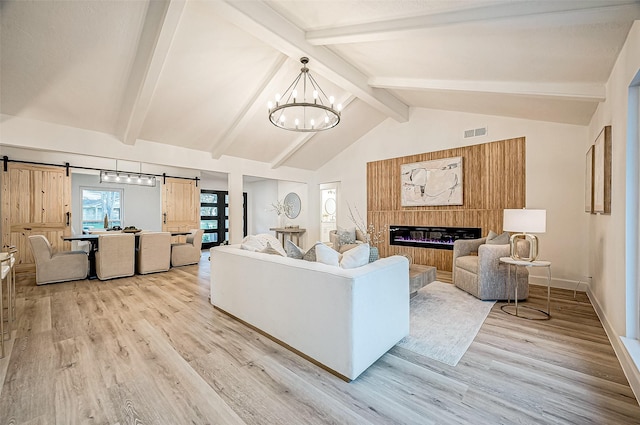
(198, 74)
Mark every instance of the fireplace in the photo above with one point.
(430, 236)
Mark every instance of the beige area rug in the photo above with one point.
(444, 321)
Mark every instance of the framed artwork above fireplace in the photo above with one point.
(432, 183)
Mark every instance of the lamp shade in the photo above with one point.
(524, 220)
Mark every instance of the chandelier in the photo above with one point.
(126, 177)
(304, 106)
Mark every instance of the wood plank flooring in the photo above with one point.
(152, 350)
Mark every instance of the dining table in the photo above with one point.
(92, 238)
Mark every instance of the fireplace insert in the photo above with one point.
(430, 236)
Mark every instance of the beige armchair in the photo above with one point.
(115, 256)
(153, 253)
(57, 267)
(483, 275)
(183, 254)
(341, 247)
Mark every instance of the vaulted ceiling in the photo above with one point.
(199, 73)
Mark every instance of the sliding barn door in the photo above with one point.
(181, 205)
(36, 200)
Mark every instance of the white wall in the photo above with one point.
(555, 173)
(607, 233)
(260, 195)
(142, 205)
(306, 216)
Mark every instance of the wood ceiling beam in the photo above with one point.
(161, 22)
(250, 108)
(266, 24)
(543, 11)
(568, 91)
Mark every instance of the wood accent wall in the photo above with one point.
(494, 179)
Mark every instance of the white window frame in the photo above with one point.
(101, 189)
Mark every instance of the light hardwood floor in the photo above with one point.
(152, 350)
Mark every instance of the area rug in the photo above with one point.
(444, 321)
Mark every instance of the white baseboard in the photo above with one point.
(582, 285)
(629, 358)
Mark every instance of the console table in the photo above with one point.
(282, 232)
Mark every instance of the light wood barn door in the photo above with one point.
(36, 200)
(181, 206)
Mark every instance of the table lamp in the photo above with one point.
(524, 222)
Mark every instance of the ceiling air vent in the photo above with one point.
(476, 132)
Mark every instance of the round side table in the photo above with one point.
(512, 309)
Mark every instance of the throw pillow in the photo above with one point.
(271, 250)
(251, 243)
(275, 243)
(327, 255)
(310, 255)
(491, 235)
(293, 250)
(355, 257)
(346, 236)
(500, 239)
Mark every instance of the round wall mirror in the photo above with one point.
(294, 200)
(330, 206)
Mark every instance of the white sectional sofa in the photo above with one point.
(341, 319)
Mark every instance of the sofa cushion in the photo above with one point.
(356, 257)
(468, 263)
(326, 255)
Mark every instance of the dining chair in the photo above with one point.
(183, 254)
(52, 267)
(153, 252)
(115, 256)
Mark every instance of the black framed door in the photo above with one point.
(214, 216)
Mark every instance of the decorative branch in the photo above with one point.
(372, 234)
(281, 207)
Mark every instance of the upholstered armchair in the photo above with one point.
(477, 269)
(342, 246)
(59, 266)
(183, 254)
(115, 256)
(153, 253)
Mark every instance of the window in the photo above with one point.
(98, 202)
(214, 216)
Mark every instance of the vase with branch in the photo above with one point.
(373, 234)
(283, 209)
